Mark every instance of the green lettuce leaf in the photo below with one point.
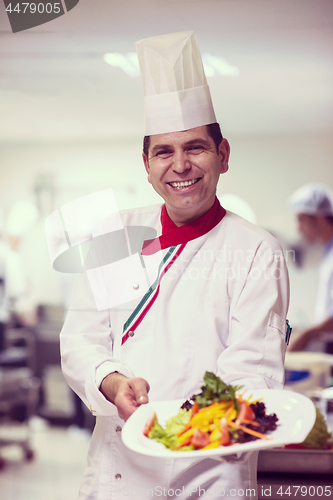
(319, 435)
(215, 390)
(173, 425)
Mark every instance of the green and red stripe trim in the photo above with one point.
(151, 295)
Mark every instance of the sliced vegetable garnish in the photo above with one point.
(215, 417)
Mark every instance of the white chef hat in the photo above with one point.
(177, 96)
(312, 199)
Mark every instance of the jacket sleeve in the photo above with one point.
(86, 340)
(87, 350)
(256, 348)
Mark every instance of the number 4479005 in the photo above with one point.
(32, 8)
(304, 491)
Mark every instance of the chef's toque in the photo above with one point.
(177, 96)
(312, 199)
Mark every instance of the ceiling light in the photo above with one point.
(213, 65)
(218, 65)
(127, 62)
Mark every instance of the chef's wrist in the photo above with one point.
(110, 385)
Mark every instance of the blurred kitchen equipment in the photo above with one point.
(19, 391)
(306, 371)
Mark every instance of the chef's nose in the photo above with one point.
(180, 162)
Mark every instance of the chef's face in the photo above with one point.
(308, 227)
(184, 168)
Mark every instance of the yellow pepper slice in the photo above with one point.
(216, 434)
(184, 437)
(210, 414)
(215, 444)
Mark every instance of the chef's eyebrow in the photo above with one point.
(199, 141)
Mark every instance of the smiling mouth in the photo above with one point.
(184, 184)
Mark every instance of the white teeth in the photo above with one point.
(180, 185)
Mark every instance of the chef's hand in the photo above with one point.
(127, 394)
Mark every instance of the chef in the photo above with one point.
(208, 293)
(313, 206)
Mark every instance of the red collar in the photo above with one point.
(173, 235)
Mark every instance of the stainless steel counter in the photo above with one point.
(291, 461)
(296, 474)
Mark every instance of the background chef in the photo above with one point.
(210, 292)
(313, 206)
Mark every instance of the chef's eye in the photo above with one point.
(164, 153)
(195, 149)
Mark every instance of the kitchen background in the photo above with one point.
(71, 124)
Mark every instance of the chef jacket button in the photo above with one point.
(136, 286)
(118, 429)
(131, 333)
(118, 477)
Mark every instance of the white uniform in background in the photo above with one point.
(4, 314)
(221, 306)
(12, 286)
(324, 302)
(12, 279)
(316, 200)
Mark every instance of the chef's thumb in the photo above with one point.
(140, 388)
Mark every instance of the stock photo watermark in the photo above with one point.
(25, 15)
(265, 491)
(114, 254)
(193, 491)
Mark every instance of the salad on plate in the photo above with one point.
(218, 416)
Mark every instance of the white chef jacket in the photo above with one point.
(324, 302)
(220, 306)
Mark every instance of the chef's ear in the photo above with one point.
(224, 152)
(146, 164)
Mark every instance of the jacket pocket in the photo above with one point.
(272, 364)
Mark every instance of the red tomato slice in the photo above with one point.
(245, 413)
(200, 438)
(149, 424)
(225, 438)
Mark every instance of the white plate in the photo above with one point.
(296, 414)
